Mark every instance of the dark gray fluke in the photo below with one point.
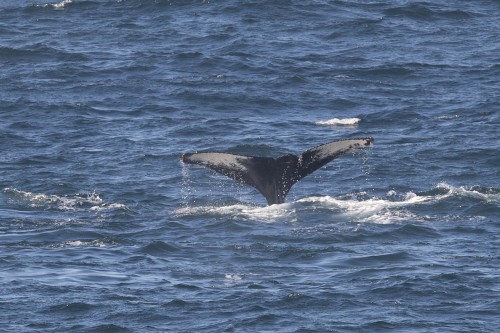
(274, 177)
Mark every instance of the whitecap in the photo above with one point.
(90, 201)
(489, 195)
(58, 6)
(231, 279)
(394, 207)
(78, 243)
(339, 122)
(377, 210)
(448, 117)
(251, 212)
(62, 4)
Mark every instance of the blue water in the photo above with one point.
(102, 229)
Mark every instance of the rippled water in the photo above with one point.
(102, 229)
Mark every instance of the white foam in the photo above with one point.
(58, 6)
(448, 117)
(95, 243)
(375, 210)
(492, 196)
(231, 280)
(90, 201)
(260, 213)
(394, 207)
(62, 4)
(339, 122)
(234, 277)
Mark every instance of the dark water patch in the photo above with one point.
(298, 253)
(47, 238)
(386, 259)
(43, 326)
(188, 287)
(395, 118)
(409, 231)
(158, 248)
(110, 328)
(383, 72)
(24, 125)
(71, 308)
(42, 160)
(256, 286)
(176, 304)
(422, 11)
(323, 236)
(467, 230)
(34, 52)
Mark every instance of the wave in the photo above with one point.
(339, 121)
(92, 201)
(80, 243)
(58, 6)
(427, 11)
(243, 211)
(394, 207)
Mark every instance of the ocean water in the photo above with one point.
(103, 229)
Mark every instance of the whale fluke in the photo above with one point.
(274, 177)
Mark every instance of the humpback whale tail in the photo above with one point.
(274, 177)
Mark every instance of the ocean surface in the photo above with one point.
(103, 229)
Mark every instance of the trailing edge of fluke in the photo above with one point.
(274, 177)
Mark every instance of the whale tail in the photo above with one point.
(274, 177)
